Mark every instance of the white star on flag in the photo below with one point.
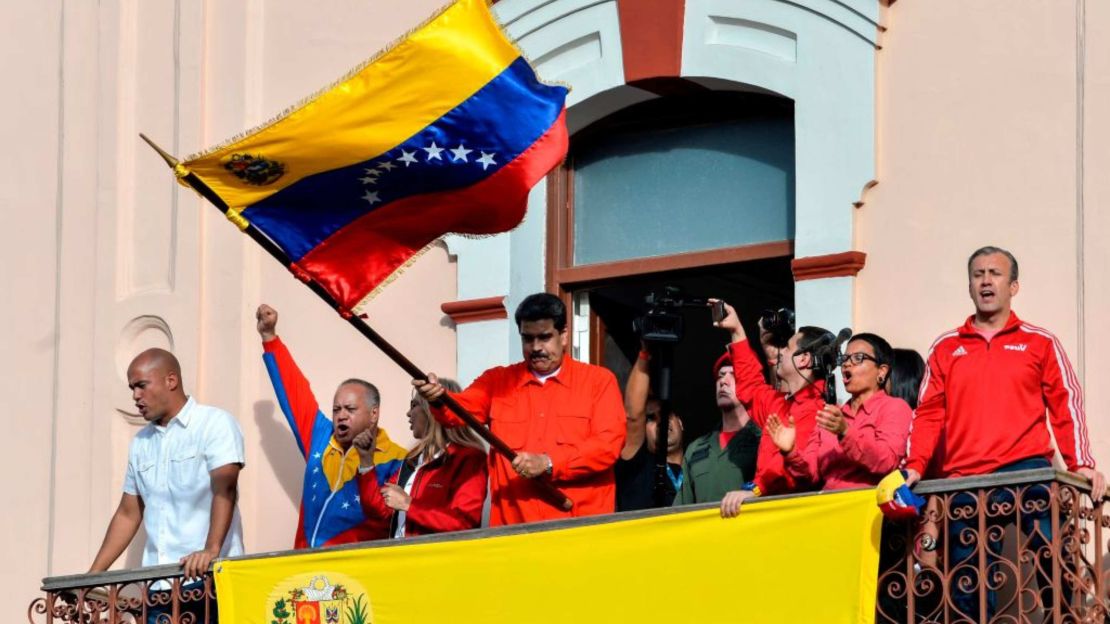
(486, 160)
(371, 197)
(433, 151)
(372, 172)
(346, 505)
(387, 166)
(357, 499)
(369, 180)
(407, 157)
(316, 454)
(316, 470)
(459, 153)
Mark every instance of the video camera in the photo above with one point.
(779, 324)
(663, 320)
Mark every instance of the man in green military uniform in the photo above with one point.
(723, 459)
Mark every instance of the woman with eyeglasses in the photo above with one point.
(858, 443)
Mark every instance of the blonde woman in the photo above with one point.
(441, 485)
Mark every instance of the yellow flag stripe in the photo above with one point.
(430, 72)
(748, 569)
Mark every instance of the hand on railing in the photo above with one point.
(928, 534)
(196, 564)
(1098, 482)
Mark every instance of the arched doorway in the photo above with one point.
(692, 192)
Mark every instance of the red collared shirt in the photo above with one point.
(873, 445)
(576, 417)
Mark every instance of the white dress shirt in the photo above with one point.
(168, 468)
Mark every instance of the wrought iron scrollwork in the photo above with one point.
(1031, 551)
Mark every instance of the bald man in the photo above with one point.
(182, 475)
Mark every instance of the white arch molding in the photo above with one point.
(819, 53)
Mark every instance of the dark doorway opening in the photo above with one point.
(750, 287)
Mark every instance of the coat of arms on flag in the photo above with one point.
(319, 601)
(445, 132)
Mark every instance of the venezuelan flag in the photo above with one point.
(445, 131)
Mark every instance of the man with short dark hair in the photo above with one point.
(339, 453)
(987, 384)
(982, 410)
(182, 478)
(563, 418)
(800, 395)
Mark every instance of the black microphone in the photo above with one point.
(830, 378)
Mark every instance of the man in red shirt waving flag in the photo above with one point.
(564, 419)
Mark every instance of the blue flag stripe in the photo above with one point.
(465, 146)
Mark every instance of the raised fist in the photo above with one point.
(267, 322)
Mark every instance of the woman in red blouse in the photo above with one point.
(860, 442)
(441, 485)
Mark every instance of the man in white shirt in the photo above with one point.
(182, 475)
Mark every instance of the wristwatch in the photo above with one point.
(927, 542)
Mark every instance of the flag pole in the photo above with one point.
(496, 443)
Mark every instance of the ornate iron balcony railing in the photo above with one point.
(1025, 546)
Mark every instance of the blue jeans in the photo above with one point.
(162, 614)
(963, 540)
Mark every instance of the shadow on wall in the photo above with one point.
(280, 449)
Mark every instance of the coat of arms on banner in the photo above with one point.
(319, 600)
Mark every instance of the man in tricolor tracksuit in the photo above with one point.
(339, 452)
(983, 400)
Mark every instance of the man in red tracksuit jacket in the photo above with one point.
(987, 385)
(982, 410)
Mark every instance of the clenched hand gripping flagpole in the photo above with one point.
(446, 131)
(359, 324)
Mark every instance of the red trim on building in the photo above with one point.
(651, 38)
(846, 264)
(473, 310)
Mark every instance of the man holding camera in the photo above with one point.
(563, 418)
(636, 469)
(800, 396)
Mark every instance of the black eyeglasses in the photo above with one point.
(855, 358)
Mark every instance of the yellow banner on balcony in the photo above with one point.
(806, 559)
